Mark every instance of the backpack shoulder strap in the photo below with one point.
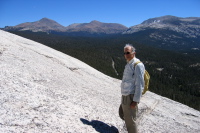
(137, 63)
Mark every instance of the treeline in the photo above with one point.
(173, 75)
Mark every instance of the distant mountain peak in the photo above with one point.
(45, 19)
(43, 25)
(169, 22)
(96, 27)
(162, 19)
(95, 21)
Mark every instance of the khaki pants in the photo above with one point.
(128, 114)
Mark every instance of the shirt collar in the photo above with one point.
(132, 60)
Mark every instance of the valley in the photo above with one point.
(178, 80)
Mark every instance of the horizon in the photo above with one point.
(127, 13)
(90, 21)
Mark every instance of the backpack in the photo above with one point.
(146, 79)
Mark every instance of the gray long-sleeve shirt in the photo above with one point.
(133, 79)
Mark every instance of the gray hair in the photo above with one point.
(132, 48)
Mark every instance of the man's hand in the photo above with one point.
(133, 105)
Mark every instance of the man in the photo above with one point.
(131, 88)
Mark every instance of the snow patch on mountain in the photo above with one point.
(190, 27)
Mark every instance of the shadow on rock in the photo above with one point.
(100, 127)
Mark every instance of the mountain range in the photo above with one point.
(169, 32)
(48, 25)
(44, 90)
(166, 32)
(189, 26)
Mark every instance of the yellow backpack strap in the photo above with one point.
(137, 63)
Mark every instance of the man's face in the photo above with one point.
(128, 54)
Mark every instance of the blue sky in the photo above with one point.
(66, 12)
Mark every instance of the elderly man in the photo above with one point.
(131, 88)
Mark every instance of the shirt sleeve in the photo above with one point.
(139, 82)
